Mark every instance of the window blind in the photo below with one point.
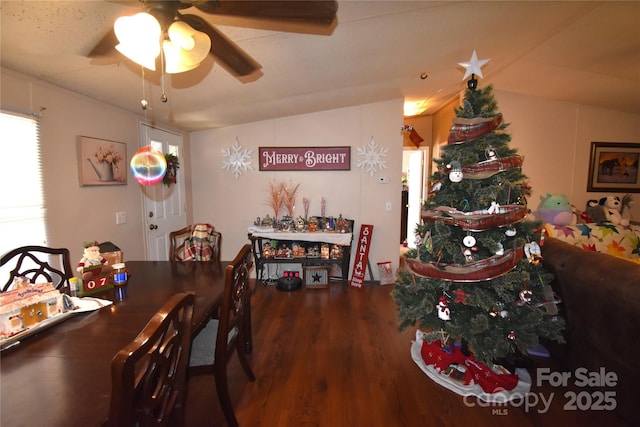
(22, 210)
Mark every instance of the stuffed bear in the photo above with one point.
(607, 209)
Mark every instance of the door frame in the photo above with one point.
(144, 138)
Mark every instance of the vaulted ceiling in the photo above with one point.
(579, 52)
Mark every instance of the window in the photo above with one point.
(22, 211)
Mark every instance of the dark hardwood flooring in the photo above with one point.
(334, 357)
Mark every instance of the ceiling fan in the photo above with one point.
(314, 13)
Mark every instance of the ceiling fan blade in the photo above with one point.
(105, 47)
(309, 11)
(231, 57)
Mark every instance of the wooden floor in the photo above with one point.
(334, 357)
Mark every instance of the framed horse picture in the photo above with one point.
(613, 167)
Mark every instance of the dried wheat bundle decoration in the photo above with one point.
(289, 194)
(277, 198)
(305, 204)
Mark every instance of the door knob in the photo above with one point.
(153, 227)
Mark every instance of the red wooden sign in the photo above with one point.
(362, 255)
(304, 158)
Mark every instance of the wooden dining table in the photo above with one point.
(62, 375)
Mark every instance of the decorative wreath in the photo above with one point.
(173, 164)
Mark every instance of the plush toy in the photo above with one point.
(555, 209)
(607, 209)
(92, 261)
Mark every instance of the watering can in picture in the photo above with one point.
(104, 170)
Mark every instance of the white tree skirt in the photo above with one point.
(522, 388)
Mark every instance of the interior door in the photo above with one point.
(415, 181)
(164, 207)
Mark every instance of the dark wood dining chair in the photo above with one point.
(149, 375)
(178, 239)
(38, 264)
(215, 344)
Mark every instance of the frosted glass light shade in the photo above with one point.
(185, 49)
(139, 37)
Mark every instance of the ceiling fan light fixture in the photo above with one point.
(173, 59)
(139, 37)
(185, 49)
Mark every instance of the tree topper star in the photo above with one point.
(473, 66)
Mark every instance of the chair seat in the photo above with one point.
(203, 347)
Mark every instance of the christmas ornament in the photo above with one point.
(428, 243)
(443, 309)
(461, 296)
(455, 172)
(502, 313)
(437, 186)
(532, 252)
(469, 241)
(525, 296)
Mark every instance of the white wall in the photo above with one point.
(233, 204)
(555, 139)
(78, 214)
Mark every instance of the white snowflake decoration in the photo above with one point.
(237, 159)
(373, 160)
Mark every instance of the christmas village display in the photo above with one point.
(283, 198)
(475, 284)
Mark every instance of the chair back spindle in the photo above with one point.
(38, 264)
(149, 374)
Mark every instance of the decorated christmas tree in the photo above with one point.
(475, 284)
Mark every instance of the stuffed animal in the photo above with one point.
(555, 209)
(607, 209)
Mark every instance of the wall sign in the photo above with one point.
(304, 158)
(362, 255)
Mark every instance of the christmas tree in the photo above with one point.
(475, 279)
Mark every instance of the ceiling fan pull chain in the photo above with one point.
(143, 101)
(163, 96)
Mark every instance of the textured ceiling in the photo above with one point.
(581, 52)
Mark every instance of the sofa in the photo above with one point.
(601, 304)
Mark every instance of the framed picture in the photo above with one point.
(101, 162)
(613, 167)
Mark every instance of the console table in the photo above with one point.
(306, 240)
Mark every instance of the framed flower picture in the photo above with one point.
(101, 162)
(613, 167)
